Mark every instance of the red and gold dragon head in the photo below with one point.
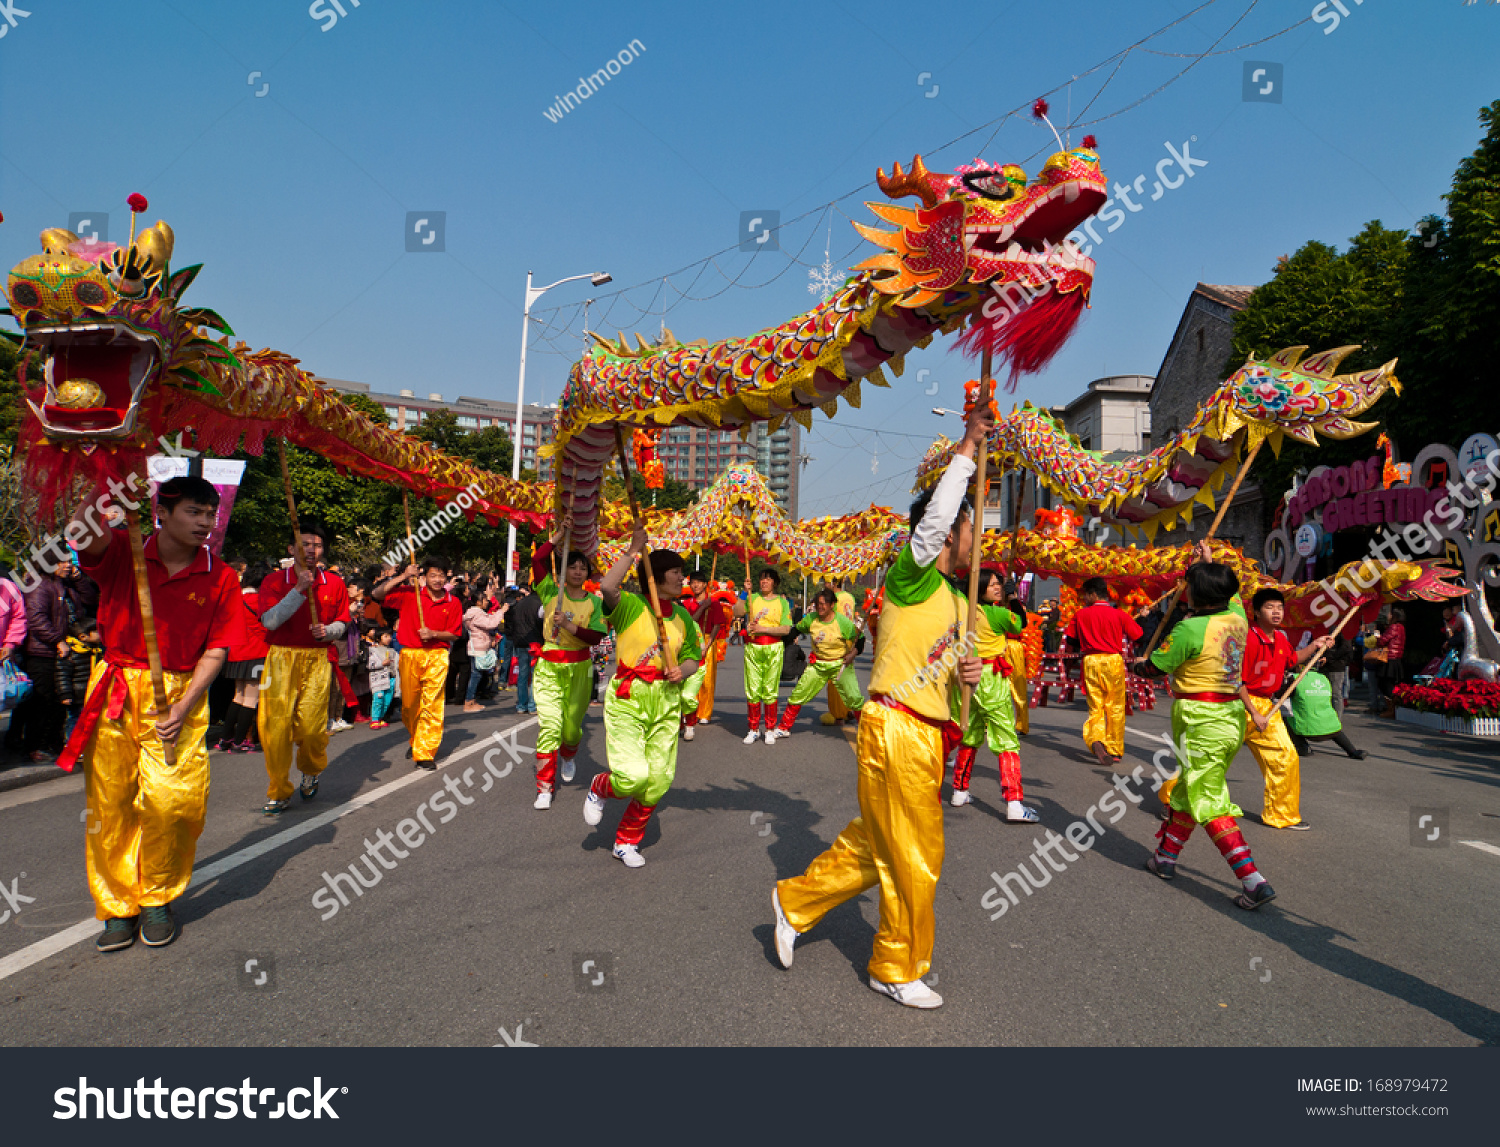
(985, 228)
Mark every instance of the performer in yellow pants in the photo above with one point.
(1100, 631)
(714, 655)
(1279, 764)
(713, 615)
(1104, 683)
(430, 620)
(293, 714)
(1020, 689)
(905, 732)
(144, 814)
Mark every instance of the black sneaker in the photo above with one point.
(426, 764)
(309, 787)
(408, 752)
(276, 808)
(118, 934)
(1250, 901)
(1161, 868)
(1359, 754)
(158, 929)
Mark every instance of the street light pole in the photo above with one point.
(598, 278)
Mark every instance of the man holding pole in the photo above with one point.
(294, 685)
(146, 815)
(1099, 630)
(430, 620)
(905, 733)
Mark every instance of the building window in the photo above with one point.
(468, 422)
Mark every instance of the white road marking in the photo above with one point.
(84, 929)
(58, 786)
(1482, 846)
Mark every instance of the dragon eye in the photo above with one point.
(91, 294)
(990, 184)
(25, 295)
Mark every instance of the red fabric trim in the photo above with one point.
(1222, 698)
(565, 656)
(625, 674)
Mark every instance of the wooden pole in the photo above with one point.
(976, 553)
(299, 558)
(1212, 530)
(411, 545)
(1015, 524)
(562, 591)
(1312, 662)
(650, 578)
(148, 628)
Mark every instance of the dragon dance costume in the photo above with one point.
(832, 641)
(1204, 655)
(713, 619)
(643, 711)
(905, 733)
(423, 668)
(562, 676)
(844, 604)
(295, 682)
(992, 715)
(147, 814)
(764, 657)
(1267, 659)
(1100, 630)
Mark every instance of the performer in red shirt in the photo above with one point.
(1100, 630)
(247, 662)
(1268, 657)
(426, 627)
(713, 618)
(146, 815)
(296, 679)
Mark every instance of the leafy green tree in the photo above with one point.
(12, 401)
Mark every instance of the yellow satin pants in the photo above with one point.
(1279, 765)
(1104, 681)
(1020, 689)
(895, 842)
(710, 680)
(144, 816)
(293, 713)
(424, 681)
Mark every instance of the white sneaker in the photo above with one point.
(960, 798)
(786, 935)
(629, 855)
(913, 995)
(593, 808)
(543, 800)
(566, 768)
(752, 736)
(339, 726)
(1017, 813)
(687, 732)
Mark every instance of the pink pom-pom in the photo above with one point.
(1039, 109)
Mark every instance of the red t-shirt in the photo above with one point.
(333, 605)
(253, 647)
(196, 609)
(1101, 628)
(712, 617)
(445, 616)
(1267, 659)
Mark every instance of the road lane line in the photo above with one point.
(1482, 846)
(84, 929)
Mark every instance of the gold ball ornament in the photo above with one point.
(80, 394)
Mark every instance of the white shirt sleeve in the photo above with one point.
(932, 531)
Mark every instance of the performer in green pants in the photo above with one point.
(768, 618)
(832, 662)
(572, 624)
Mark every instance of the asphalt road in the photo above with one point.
(486, 927)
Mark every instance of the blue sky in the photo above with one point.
(296, 200)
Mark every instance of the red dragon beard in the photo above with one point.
(1029, 340)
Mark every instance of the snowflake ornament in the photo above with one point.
(823, 281)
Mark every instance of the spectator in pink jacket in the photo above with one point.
(12, 619)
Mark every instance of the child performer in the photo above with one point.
(150, 814)
(1203, 654)
(905, 733)
(643, 703)
(992, 715)
(1268, 656)
(382, 665)
(297, 677)
(1100, 630)
(713, 619)
(831, 663)
(426, 627)
(572, 624)
(768, 618)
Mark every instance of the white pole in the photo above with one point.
(515, 446)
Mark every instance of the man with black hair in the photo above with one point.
(643, 703)
(572, 624)
(297, 678)
(1205, 656)
(905, 733)
(523, 627)
(149, 814)
(1099, 631)
(426, 626)
(1268, 657)
(768, 619)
